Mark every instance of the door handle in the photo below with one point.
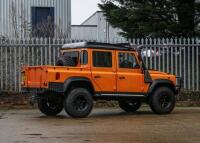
(97, 76)
(121, 77)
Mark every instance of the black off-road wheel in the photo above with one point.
(78, 103)
(65, 61)
(162, 101)
(131, 105)
(50, 105)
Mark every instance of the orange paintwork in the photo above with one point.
(110, 78)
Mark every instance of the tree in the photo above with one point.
(141, 18)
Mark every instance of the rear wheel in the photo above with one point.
(50, 105)
(78, 103)
(162, 101)
(131, 105)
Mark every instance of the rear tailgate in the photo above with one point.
(34, 77)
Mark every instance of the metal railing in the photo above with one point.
(175, 56)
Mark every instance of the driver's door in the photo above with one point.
(129, 74)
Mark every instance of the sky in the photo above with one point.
(82, 9)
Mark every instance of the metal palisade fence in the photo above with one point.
(175, 56)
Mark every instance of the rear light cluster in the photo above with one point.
(23, 78)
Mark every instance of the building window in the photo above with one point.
(102, 59)
(42, 21)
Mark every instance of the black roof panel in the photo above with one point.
(98, 45)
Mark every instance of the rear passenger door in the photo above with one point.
(104, 70)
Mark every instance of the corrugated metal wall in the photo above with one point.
(105, 31)
(84, 32)
(16, 14)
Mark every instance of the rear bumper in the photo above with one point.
(178, 85)
(52, 87)
(33, 90)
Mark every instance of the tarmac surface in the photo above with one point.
(107, 125)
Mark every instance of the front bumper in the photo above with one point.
(178, 84)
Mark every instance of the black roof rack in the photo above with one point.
(99, 45)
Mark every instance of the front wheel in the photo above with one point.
(162, 101)
(78, 103)
(50, 105)
(131, 105)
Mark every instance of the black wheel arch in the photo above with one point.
(78, 82)
(161, 83)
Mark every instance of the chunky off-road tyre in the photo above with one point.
(162, 101)
(50, 106)
(78, 103)
(65, 61)
(131, 105)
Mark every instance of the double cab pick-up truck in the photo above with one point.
(89, 71)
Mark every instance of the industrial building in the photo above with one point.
(35, 18)
(96, 28)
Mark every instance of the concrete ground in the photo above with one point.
(109, 125)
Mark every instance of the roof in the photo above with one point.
(84, 26)
(98, 45)
(91, 17)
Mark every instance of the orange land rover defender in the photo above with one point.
(89, 71)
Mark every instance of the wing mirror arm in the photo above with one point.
(145, 71)
(147, 76)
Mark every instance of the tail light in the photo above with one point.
(23, 78)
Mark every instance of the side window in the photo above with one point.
(73, 57)
(102, 59)
(84, 57)
(127, 60)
